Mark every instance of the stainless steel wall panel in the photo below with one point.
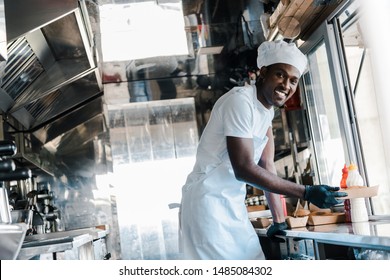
(3, 34)
(149, 141)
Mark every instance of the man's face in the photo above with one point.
(280, 81)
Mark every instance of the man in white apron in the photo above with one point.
(237, 148)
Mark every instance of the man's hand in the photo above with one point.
(323, 196)
(277, 229)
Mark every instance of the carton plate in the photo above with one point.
(357, 191)
(260, 222)
(323, 218)
(294, 222)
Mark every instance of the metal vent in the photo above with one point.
(22, 68)
(40, 109)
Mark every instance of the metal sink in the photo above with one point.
(11, 240)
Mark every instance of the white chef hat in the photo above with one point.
(271, 52)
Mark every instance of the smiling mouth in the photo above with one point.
(281, 94)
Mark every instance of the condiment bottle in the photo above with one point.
(358, 205)
(343, 182)
(354, 178)
(347, 202)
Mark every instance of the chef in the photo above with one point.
(237, 148)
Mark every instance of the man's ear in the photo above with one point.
(263, 72)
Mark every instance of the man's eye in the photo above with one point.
(279, 75)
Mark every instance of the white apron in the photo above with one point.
(214, 220)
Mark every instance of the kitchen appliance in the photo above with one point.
(11, 235)
(8, 172)
(7, 166)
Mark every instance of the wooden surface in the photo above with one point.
(255, 208)
(289, 27)
(307, 13)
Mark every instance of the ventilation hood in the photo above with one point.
(51, 69)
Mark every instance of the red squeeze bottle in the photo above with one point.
(347, 202)
(343, 183)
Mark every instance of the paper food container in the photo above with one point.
(260, 222)
(323, 218)
(359, 191)
(295, 222)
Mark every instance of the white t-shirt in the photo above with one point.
(237, 113)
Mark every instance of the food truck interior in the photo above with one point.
(103, 103)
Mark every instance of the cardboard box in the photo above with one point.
(295, 222)
(254, 208)
(260, 222)
(324, 217)
(260, 214)
(359, 191)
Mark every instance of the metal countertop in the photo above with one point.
(58, 241)
(11, 239)
(372, 234)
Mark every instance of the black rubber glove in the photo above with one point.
(323, 196)
(277, 229)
